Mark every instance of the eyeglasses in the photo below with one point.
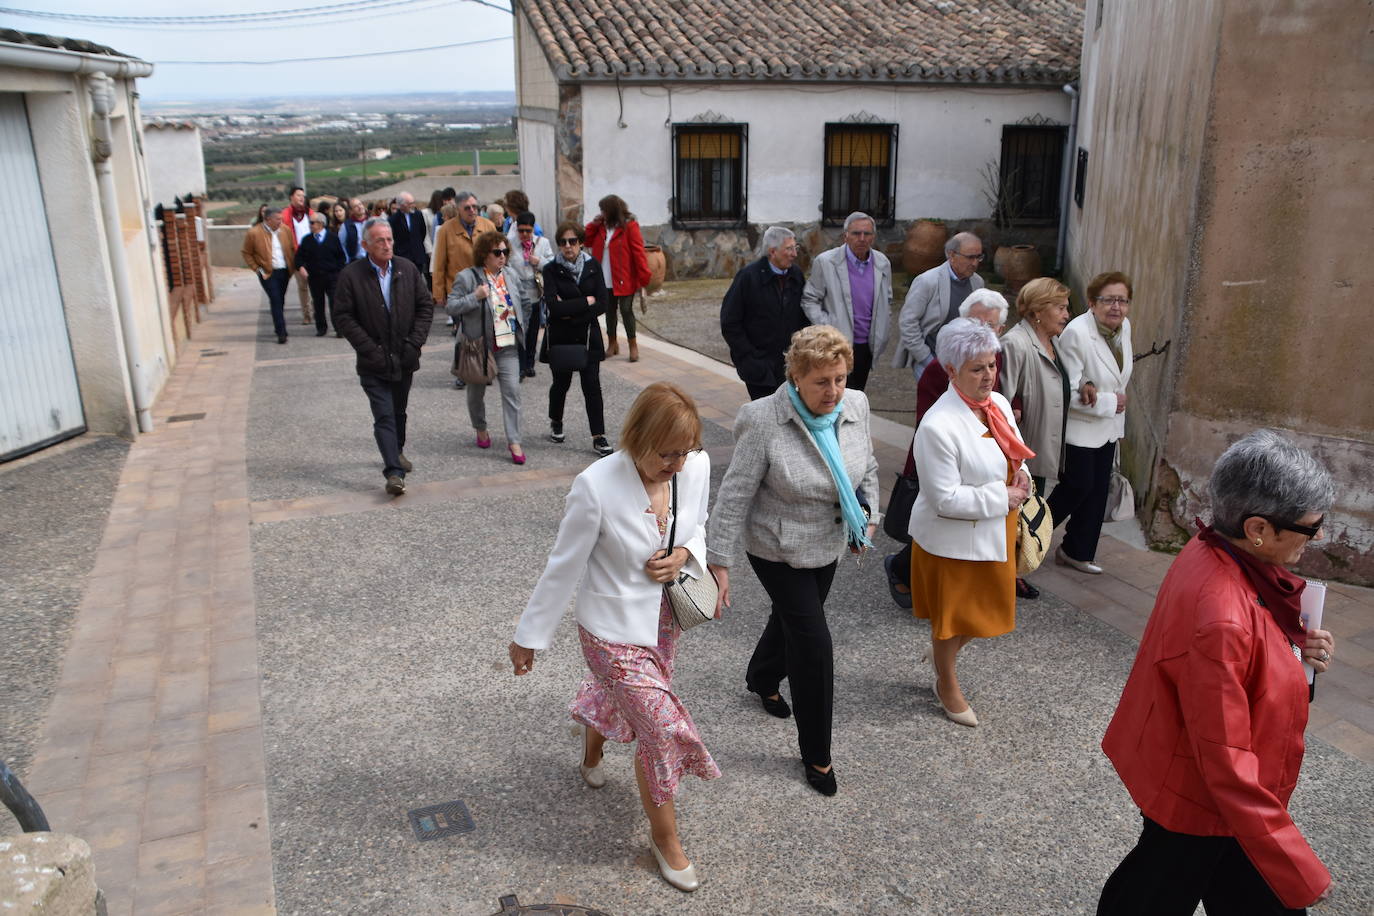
(1112, 300)
(500, 252)
(1310, 531)
(675, 457)
(564, 243)
(975, 258)
(525, 230)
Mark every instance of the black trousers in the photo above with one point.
(388, 400)
(863, 365)
(529, 351)
(275, 288)
(1081, 498)
(1168, 874)
(591, 393)
(322, 297)
(796, 645)
(759, 391)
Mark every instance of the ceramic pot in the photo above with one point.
(924, 246)
(658, 268)
(1017, 265)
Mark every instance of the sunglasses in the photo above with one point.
(500, 252)
(1305, 530)
(563, 243)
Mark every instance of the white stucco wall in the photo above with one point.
(536, 145)
(176, 162)
(945, 136)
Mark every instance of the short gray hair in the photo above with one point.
(375, 221)
(988, 298)
(957, 240)
(857, 215)
(964, 339)
(462, 196)
(775, 237)
(1264, 474)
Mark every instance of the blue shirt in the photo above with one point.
(383, 280)
(343, 241)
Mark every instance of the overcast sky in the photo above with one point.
(409, 24)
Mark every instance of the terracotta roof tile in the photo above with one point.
(37, 40)
(994, 41)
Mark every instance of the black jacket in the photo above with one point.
(321, 258)
(758, 320)
(409, 237)
(388, 341)
(571, 319)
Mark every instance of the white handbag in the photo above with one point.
(693, 599)
(1120, 494)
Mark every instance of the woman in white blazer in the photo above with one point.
(1096, 351)
(969, 457)
(797, 494)
(614, 539)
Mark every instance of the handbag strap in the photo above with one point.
(672, 530)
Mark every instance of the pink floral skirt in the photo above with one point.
(628, 696)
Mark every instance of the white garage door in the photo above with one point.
(39, 400)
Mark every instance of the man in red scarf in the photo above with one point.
(296, 217)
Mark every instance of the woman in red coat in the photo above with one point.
(614, 240)
(1208, 736)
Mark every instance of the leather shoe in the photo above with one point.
(823, 783)
(404, 462)
(1025, 590)
(395, 485)
(1083, 566)
(776, 707)
(684, 879)
(963, 718)
(903, 599)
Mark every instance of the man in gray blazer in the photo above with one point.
(850, 289)
(934, 301)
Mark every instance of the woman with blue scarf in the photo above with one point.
(797, 493)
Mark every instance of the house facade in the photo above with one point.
(176, 160)
(713, 125)
(86, 341)
(1222, 161)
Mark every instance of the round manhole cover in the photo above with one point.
(511, 906)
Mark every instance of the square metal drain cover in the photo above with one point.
(185, 417)
(437, 821)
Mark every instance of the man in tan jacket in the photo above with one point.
(268, 249)
(453, 244)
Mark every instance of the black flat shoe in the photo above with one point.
(823, 783)
(776, 707)
(902, 599)
(1025, 590)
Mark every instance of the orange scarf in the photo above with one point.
(1002, 431)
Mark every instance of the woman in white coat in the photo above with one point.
(969, 456)
(1096, 351)
(614, 539)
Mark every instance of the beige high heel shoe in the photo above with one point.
(592, 776)
(684, 879)
(963, 718)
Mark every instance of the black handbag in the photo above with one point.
(570, 357)
(897, 520)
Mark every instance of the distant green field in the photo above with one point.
(391, 166)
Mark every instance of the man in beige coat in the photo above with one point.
(453, 244)
(268, 249)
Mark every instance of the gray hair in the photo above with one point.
(462, 196)
(404, 197)
(1264, 474)
(957, 240)
(855, 217)
(964, 339)
(374, 221)
(776, 237)
(987, 298)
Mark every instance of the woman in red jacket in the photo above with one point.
(613, 239)
(1208, 736)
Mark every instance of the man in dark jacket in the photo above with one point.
(409, 230)
(322, 255)
(762, 310)
(383, 306)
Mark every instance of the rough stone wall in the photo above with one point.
(568, 167)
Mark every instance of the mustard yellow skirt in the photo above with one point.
(965, 597)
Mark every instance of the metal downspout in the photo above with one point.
(1065, 181)
(102, 103)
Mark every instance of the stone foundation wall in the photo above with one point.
(696, 253)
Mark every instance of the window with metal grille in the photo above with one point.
(860, 171)
(1030, 175)
(708, 174)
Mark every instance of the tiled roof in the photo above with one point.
(167, 124)
(904, 41)
(57, 43)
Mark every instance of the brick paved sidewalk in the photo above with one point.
(153, 745)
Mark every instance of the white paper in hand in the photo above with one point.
(1313, 600)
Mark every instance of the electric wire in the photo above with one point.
(331, 57)
(313, 13)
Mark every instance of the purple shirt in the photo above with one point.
(860, 293)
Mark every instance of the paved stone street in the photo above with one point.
(270, 663)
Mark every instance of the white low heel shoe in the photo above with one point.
(684, 879)
(592, 776)
(963, 718)
(1083, 566)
